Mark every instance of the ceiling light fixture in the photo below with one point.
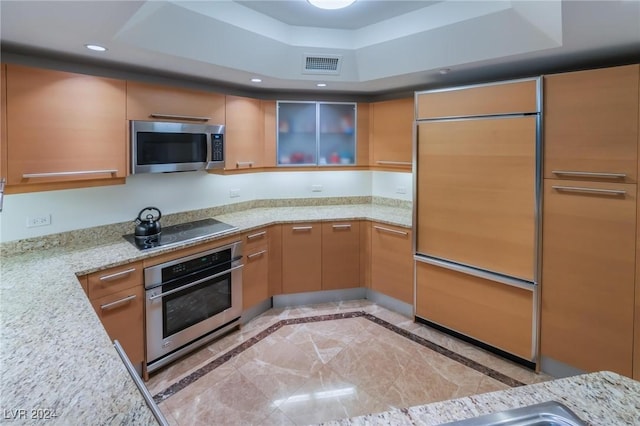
(256, 80)
(321, 84)
(445, 71)
(331, 4)
(95, 47)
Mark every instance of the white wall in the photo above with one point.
(178, 192)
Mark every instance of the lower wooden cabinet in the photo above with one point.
(255, 277)
(301, 257)
(588, 272)
(117, 295)
(340, 255)
(392, 261)
(494, 313)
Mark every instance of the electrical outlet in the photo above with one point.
(316, 188)
(401, 190)
(234, 193)
(42, 220)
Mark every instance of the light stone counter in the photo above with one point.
(54, 353)
(603, 398)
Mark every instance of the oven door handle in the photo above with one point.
(175, 290)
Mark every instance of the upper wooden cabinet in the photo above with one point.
(269, 118)
(162, 103)
(340, 255)
(591, 124)
(64, 127)
(391, 134)
(492, 99)
(244, 133)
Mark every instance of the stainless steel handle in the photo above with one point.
(393, 231)
(140, 385)
(117, 303)
(256, 235)
(179, 117)
(80, 172)
(244, 164)
(184, 287)
(342, 226)
(590, 174)
(117, 275)
(395, 163)
(589, 190)
(260, 253)
(302, 228)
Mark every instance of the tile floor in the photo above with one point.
(310, 364)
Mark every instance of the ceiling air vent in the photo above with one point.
(321, 64)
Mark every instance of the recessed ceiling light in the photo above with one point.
(256, 80)
(444, 71)
(321, 84)
(95, 47)
(331, 4)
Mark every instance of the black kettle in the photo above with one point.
(150, 225)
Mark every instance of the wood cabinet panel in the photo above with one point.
(392, 261)
(255, 277)
(244, 133)
(145, 100)
(476, 202)
(591, 122)
(636, 327)
(503, 98)
(71, 125)
(363, 124)
(301, 257)
(365, 253)
(588, 269)
(391, 134)
(270, 130)
(340, 255)
(109, 281)
(497, 314)
(122, 314)
(3, 121)
(275, 260)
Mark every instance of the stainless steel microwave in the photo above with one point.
(164, 147)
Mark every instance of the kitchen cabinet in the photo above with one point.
(391, 134)
(64, 128)
(301, 257)
(316, 133)
(117, 296)
(244, 133)
(3, 123)
(476, 185)
(340, 255)
(591, 124)
(491, 312)
(255, 277)
(636, 327)
(275, 260)
(269, 135)
(588, 271)
(392, 261)
(165, 103)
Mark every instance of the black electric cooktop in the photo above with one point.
(181, 233)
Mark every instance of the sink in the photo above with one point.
(550, 413)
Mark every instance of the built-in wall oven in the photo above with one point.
(190, 301)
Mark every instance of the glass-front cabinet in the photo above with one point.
(316, 133)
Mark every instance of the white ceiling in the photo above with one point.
(384, 46)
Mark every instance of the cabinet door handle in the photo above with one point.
(76, 173)
(3, 181)
(342, 226)
(590, 174)
(302, 228)
(392, 231)
(179, 117)
(252, 255)
(117, 275)
(589, 190)
(394, 163)
(244, 164)
(256, 235)
(117, 303)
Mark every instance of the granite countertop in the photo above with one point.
(602, 398)
(56, 357)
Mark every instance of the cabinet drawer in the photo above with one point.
(113, 280)
(504, 98)
(255, 238)
(121, 314)
(494, 313)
